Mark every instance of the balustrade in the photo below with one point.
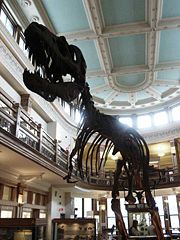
(16, 121)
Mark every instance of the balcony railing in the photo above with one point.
(16, 121)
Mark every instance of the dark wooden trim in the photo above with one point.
(1, 3)
(71, 220)
(1, 190)
(20, 147)
(29, 197)
(22, 222)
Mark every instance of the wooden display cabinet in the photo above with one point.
(22, 229)
(74, 229)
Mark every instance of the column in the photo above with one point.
(177, 152)
(102, 214)
(69, 205)
(26, 103)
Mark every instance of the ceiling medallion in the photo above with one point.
(25, 3)
(35, 19)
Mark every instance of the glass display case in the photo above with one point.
(75, 229)
(22, 229)
(139, 212)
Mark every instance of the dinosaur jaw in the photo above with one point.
(67, 91)
(38, 84)
(41, 44)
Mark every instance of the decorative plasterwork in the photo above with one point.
(35, 19)
(12, 62)
(25, 3)
(151, 27)
(162, 134)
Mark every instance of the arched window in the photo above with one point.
(126, 120)
(144, 121)
(160, 118)
(176, 113)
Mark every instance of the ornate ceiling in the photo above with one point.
(131, 47)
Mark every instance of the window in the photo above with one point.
(25, 193)
(87, 206)
(7, 193)
(26, 213)
(159, 204)
(6, 22)
(34, 198)
(144, 121)
(126, 120)
(42, 214)
(124, 212)
(173, 211)
(110, 214)
(78, 205)
(160, 118)
(176, 113)
(6, 213)
(22, 45)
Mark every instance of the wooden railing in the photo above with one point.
(16, 121)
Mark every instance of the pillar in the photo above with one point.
(177, 152)
(69, 204)
(102, 214)
(26, 103)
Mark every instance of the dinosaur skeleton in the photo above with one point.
(53, 58)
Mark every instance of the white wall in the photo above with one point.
(56, 131)
(57, 203)
(38, 119)
(9, 90)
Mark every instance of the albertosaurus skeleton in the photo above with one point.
(57, 58)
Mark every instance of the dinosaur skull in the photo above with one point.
(52, 58)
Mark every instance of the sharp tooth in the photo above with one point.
(46, 54)
(50, 62)
(38, 72)
(30, 54)
(33, 60)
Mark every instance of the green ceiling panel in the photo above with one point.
(169, 75)
(161, 89)
(96, 82)
(104, 94)
(124, 11)
(171, 8)
(90, 54)
(142, 95)
(66, 15)
(122, 97)
(169, 45)
(128, 50)
(130, 80)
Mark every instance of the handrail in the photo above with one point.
(32, 134)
